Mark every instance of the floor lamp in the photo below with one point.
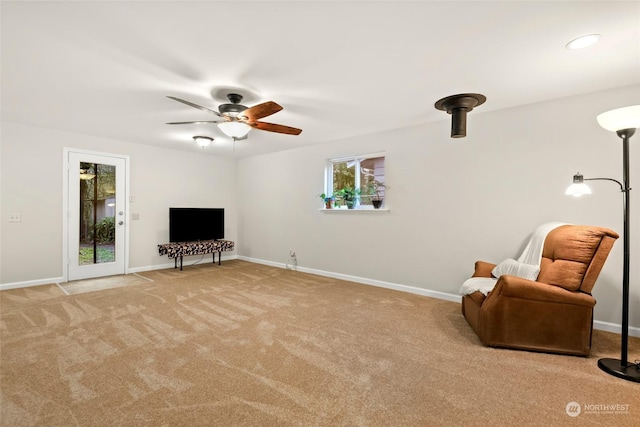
(624, 122)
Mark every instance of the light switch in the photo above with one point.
(15, 217)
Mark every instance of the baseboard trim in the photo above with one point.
(30, 283)
(597, 324)
(185, 263)
(54, 280)
(149, 268)
(363, 280)
(615, 328)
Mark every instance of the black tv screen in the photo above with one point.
(193, 224)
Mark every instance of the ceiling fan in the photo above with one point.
(237, 120)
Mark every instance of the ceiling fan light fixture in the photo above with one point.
(234, 129)
(203, 141)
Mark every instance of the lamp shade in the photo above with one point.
(234, 129)
(620, 118)
(578, 188)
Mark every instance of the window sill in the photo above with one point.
(355, 210)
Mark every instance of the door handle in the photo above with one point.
(121, 222)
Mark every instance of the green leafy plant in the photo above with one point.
(327, 200)
(375, 188)
(106, 230)
(103, 255)
(348, 195)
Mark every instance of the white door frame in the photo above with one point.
(66, 212)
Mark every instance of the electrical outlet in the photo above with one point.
(15, 217)
(292, 253)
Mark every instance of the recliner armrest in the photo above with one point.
(483, 269)
(517, 287)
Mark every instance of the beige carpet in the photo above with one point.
(243, 344)
(102, 283)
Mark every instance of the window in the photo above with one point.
(356, 182)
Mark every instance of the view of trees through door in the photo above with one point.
(97, 213)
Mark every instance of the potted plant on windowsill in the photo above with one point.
(349, 196)
(374, 189)
(328, 200)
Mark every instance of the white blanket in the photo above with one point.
(532, 255)
(482, 284)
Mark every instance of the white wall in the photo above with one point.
(31, 184)
(451, 201)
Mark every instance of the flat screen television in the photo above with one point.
(193, 224)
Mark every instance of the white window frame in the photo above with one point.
(328, 177)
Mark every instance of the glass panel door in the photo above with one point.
(96, 217)
(97, 213)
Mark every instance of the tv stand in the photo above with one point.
(179, 249)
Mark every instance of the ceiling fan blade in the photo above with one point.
(272, 127)
(199, 107)
(196, 122)
(261, 110)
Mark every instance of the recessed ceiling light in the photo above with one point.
(584, 41)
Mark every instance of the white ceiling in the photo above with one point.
(339, 69)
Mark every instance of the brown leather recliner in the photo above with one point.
(553, 314)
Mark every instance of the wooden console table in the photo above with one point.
(179, 249)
